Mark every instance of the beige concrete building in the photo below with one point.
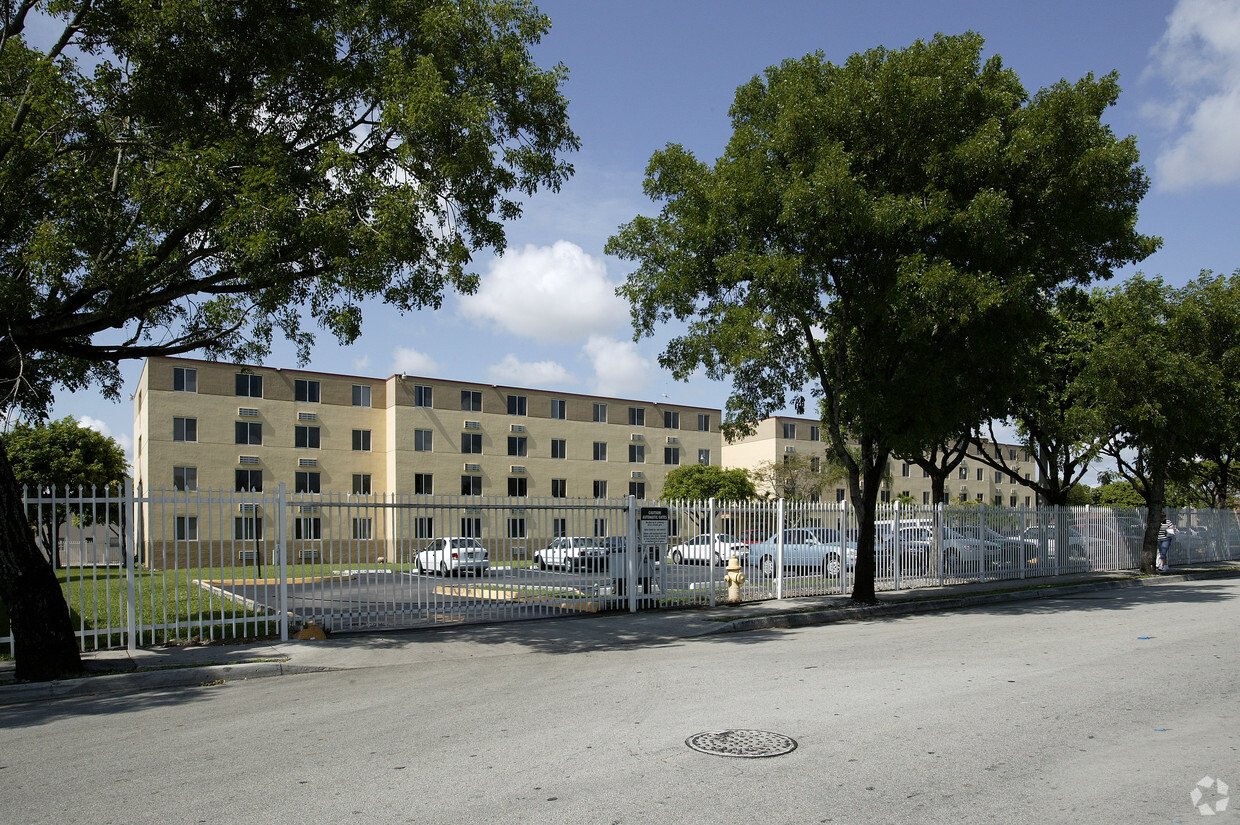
(775, 438)
(203, 425)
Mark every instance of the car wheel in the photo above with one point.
(718, 560)
(678, 557)
(542, 563)
(831, 566)
(767, 566)
(417, 566)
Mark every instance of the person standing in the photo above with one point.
(1165, 531)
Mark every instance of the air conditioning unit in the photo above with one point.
(790, 449)
(638, 474)
(247, 459)
(247, 412)
(473, 425)
(250, 507)
(638, 437)
(304, 416)
(310, 509)
(518, 428)
(671, 439)
(307, 462)
(473, 468)
(516, 468)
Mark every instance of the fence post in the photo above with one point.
(632, 547)
(714, 542)
(779, 551)
(282, 558)
(129, 512)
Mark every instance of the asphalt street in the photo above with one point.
(1101, 707)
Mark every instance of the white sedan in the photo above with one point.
(700, 548)
(453, 555)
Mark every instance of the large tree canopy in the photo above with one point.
(884, 231)
(206, 175)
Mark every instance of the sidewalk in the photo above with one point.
(119, 671)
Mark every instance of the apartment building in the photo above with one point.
(202, 425)
(778, 437)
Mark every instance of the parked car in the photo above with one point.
(723, 545)
(612, 544)
(1012, 550)
(1077, 553)
(961, 554)
(454, 554)
(572, 553)
(805, 548)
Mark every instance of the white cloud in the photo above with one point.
(551, 294)
(1199, 58)
(101, 427)
(619, 368)
(512, 371)
(360, 364)
(406, 360)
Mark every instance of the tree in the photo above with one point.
(225, 173)
(884, 232)
(699, 482)
(1053, 408)
(939, 462)
(65, 456)
(1153, 389)
(797, 477)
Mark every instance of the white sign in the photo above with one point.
(654, 522)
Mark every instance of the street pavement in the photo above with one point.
(1093, 703)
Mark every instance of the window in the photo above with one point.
(516, 528)
(600, 450)
(998, 476)
(703, 422)
(516, 405)
(471, 443)
(704, 459)
(981, 474)
(248, 528)
(471, 485)
(637, 416)
(637, 489)
(559, 527)
(637, 454)
(600, 413)
(600, 527)
(306, 390)
(471, 527)
(307, 437)
(964, 473)
(185, 429)
(422, 441)
(471, 400)
(981, 497)
(424, 484)
(1012, 453)
(559, 448)
(248, 481)
(517, 445)
(1027, 501)
(306, 482)
(187, 528)
(790, 429)
(925, 497)
(363, 528)
(248, 432)
(671, 455)
(885, 496)
(423, 396)
(671, 419)
(184, 478)
(559, 488)
(423, 527)
(361, 484)
(600, 489)
(518, 486)
(815, 464)
(308, 528)
(185, 379)
(559, 408)
(249, 386)
(925, 473)
(1012, 501)
(361, 440)
(814, 434)
(361, 395)
(839, 494)
(998, 499)
(904, 469)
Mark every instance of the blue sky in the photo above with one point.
(643, 74)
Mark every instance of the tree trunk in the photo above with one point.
(1155, 502)
(867, 507)
(43, 640)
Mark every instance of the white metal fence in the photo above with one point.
(146, 569)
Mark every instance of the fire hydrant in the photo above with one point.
(735, 577)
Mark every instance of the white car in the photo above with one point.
(700, 549)
(453, 555)
(572, 553)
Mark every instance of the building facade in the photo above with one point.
(778, 437)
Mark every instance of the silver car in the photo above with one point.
(572, 553)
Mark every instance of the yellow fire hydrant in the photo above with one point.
(735, 577)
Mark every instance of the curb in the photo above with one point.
(906, 607)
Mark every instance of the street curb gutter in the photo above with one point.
(911, 606)
(148, 680)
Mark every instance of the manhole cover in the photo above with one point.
(749, 744)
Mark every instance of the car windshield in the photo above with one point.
(826, 535)
(725, 538)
